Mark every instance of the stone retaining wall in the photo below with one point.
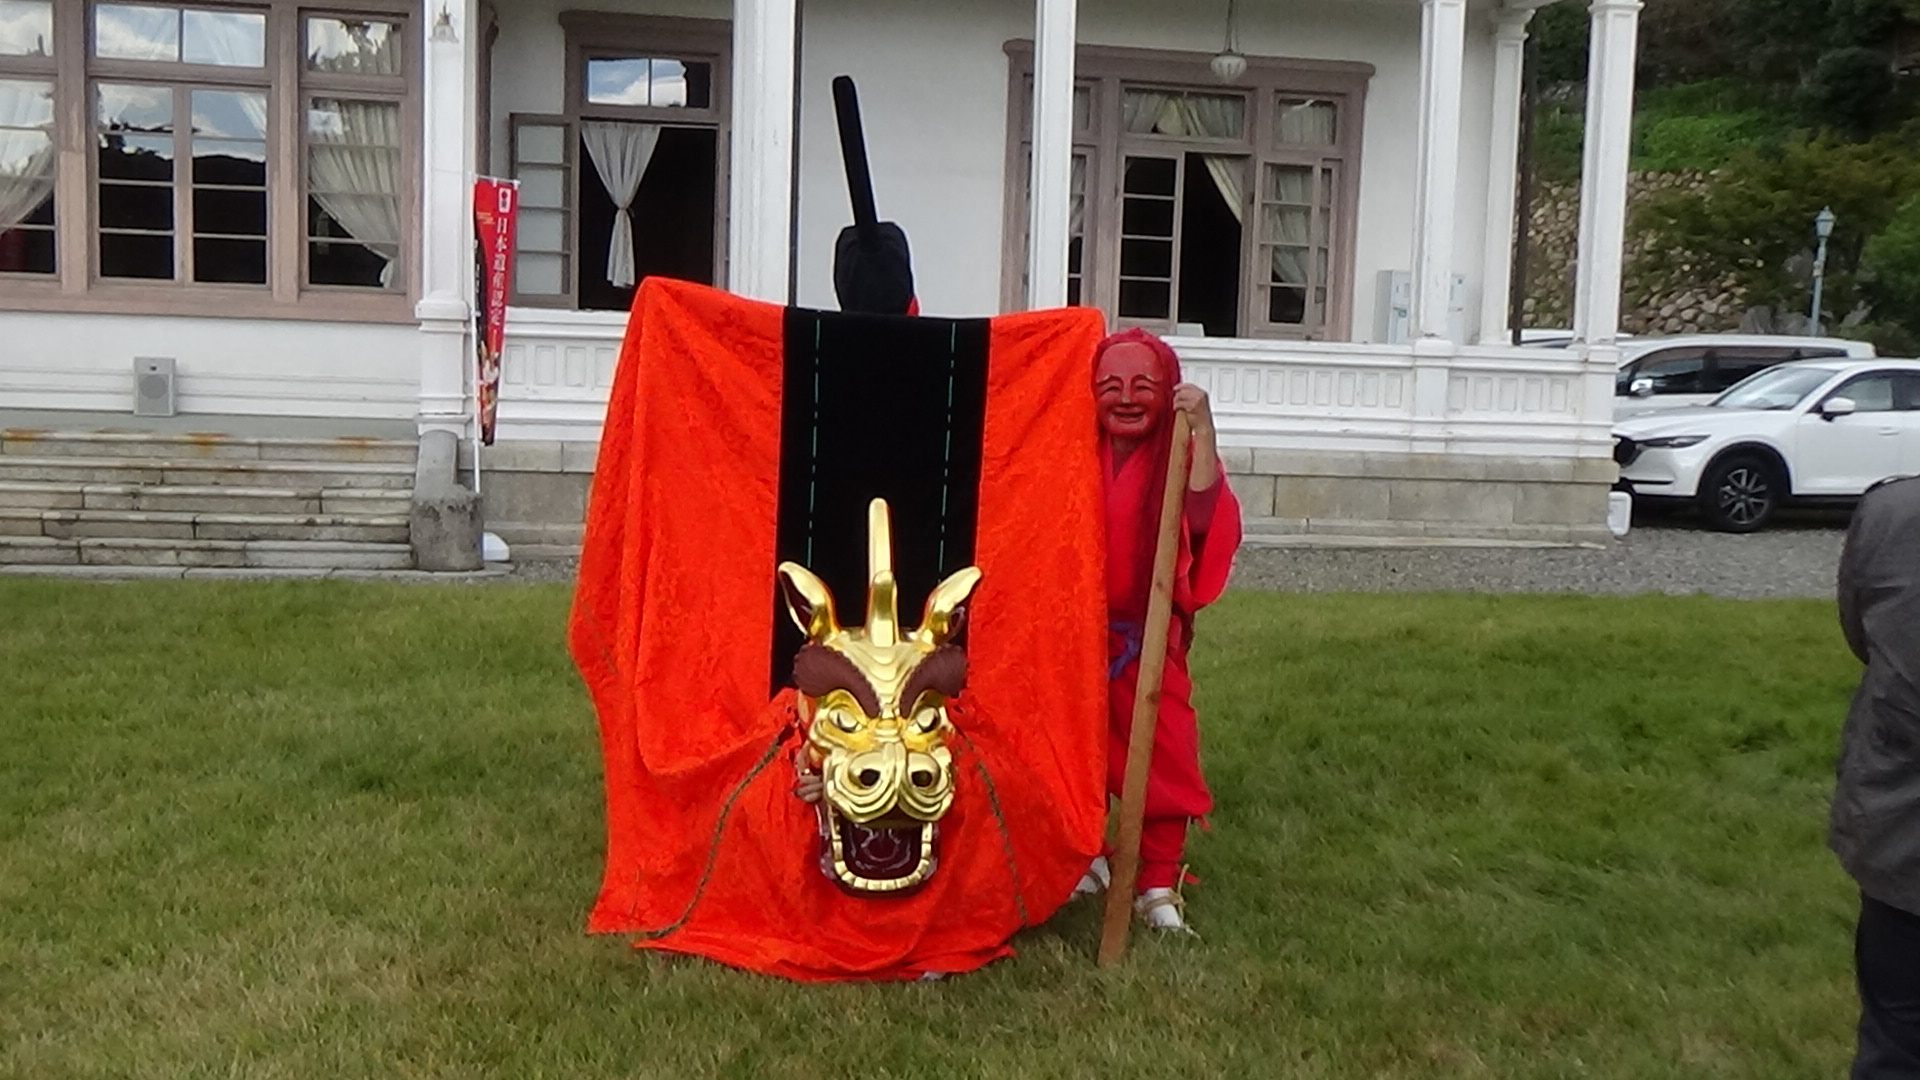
(535, 495)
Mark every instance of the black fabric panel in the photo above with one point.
(884, 407)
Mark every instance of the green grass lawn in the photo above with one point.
(352, 831)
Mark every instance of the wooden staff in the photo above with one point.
(1146, 703)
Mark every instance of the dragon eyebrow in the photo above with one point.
(819, 671)
(944, 672)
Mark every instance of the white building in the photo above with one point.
(275, 196)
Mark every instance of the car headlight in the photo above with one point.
(1673, 442)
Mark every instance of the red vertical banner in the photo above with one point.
(496, 212)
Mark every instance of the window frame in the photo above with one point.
(593, 34)
(42, 69)
(77, 286)
(1110, 72)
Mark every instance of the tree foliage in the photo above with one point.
(1755, 218)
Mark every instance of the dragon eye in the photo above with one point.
(844, 720)
(927, 719)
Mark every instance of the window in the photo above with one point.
(26, 138)
(1672, 371)
(1727, 366)
(628, 182)
(1870, 393)
(254, 155)
(1202, 209)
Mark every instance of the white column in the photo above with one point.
(1443, 43)
(1503, 171)
(1603, 176)
(760, 199)
(446, 219)
(1050, 186)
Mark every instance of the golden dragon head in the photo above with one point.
(873, 701)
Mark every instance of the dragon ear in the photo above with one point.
(808, 602)
(947, 607)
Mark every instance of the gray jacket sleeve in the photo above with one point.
(1851, 623)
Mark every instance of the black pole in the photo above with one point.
(793, 187)
(1523, 205)
(853, 152)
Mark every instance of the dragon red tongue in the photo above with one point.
(880, 854)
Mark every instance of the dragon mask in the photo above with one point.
(873, 702)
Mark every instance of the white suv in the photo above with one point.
(1693, 369)
(1809, 430)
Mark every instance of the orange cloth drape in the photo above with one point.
(671, 630)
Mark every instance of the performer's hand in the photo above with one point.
(1205, 470)
(1193, 401)
(808, 786)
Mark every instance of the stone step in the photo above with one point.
(235, 554)
(203, 499)
(32, 442)
(213, 472)
(179, 525)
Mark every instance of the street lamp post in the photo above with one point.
(1822, 228)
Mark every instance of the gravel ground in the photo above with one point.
(1794, 559)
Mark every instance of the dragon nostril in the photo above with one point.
(869, 777)
(922, 778)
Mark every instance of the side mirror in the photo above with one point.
(1835, 408)
(1641, 387)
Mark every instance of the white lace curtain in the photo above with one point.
(355, 172)
(621, 153)
(1290, 227)
(1204, 116)
(26, 149)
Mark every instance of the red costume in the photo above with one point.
(1135, 474)
(674, 624)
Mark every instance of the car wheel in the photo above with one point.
(1739, 494)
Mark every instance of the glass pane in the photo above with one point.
(230, 213)
(1147, 217)
(354, 178)
(130, 109)
(136, 32)
(1290, 184)
(148, 207)
(26, 250)
(1146, 258)
(541, 145)
(224, 38)
(233, 262)
(542, 230)
(230, 114)
(26, 28)
(1307, 122)
(136, 132)
(136, 157)
(1190, 116)
(1082, 109)
(353, 47)
(1287, 224)
(620, 82)
(135, 256)
(25, 104)
(1152, 176)
(1287, 306)
(1145, 299)
(540, 275)
(541, 188)
(1289, 266)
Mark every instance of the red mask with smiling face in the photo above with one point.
(1131, 390)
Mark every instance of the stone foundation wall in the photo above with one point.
(534, 495)
(1459, 496)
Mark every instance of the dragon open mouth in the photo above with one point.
(889, 855)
